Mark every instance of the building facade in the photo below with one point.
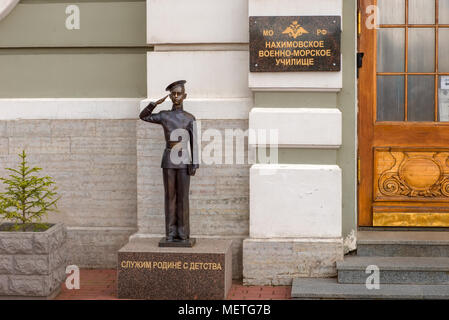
(74, 77)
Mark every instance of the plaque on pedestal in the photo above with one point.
(148, 271)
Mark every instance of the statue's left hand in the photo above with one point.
(191, 170)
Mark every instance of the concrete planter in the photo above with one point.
(32, 264)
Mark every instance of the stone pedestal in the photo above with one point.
(147, 271)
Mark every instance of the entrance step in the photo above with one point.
(395, 270)
(329, 288)
(403, 243)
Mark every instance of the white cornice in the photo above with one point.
(116, 108)
(6, 7)
(69, 108)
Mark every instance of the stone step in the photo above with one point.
(329, 288)
(395, 270)
(403, 243)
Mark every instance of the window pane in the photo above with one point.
(421, 11)
(421, 98)
(443, 51)
(390, 98)
(421, 50)
(443, 98)
(444, 12)
(391, 11)
(390, 50)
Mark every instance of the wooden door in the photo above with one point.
(403, 119)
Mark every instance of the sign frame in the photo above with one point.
(295, 43)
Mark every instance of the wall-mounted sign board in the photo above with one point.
(292, 44)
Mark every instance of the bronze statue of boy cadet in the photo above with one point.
(177, 164)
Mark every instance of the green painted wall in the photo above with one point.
(72, 73)
(303, 156)
(296, 99)
(345, 101)
(106, 57)
(104, 23)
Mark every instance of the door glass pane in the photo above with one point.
(391, 11)
(421, 11)
(390, 50)
(390, 98)
(443, 51)
(444, 12)
(443, 98)
(421, 50)
(421, 98)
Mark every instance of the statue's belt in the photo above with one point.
(173, 145)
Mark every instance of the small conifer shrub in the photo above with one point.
(27, 199)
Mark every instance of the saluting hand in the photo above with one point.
(161, 100)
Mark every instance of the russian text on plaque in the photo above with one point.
(291, 43)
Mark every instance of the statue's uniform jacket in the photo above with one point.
(171, 121)
(175, 173)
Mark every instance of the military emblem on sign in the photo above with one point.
(295, 30)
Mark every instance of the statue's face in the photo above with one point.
(177, 95)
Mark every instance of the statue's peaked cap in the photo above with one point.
(175, 84)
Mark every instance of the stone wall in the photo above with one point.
(94, 165)
(108, 193)
(276, 262)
